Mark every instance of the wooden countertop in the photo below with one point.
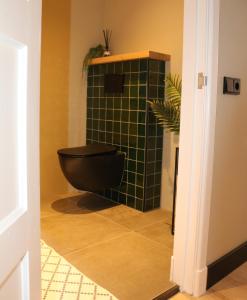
(131, 56)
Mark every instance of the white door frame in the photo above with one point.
(198, 113)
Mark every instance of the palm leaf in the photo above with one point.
(168, 112)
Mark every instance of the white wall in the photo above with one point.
(228, 220)
(86, 32)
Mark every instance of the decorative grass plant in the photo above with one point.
(168, 111)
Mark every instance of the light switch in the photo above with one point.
(231, 86)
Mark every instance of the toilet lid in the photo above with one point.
(89, 150)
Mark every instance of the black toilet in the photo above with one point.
(93, 168)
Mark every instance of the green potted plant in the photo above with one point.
(93, 53)
(168, 114)
(168, 111)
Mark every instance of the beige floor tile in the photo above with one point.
(132, 267)
(69, 232)
(159, 232)
(134, 219)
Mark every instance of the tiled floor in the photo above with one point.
(125, 251)
(233, 287)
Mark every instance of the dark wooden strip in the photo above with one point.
(226, 264)
(168, 294)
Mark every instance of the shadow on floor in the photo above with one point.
(82, 204)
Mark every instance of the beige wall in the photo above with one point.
(86, 32)
(228, 220)
(54, 94)
(154, 25)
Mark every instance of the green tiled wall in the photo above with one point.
(126, 121)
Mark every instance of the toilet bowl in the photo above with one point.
(93, 168)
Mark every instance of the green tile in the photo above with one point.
(134, 91)
(141, 117)
(131, 189)
(125, 116)
(142, 104)
(131, 201)
(102, 69)
(102, 125)
(154, 66)
(96, 70)
(141, 130)
(102, 114)
(95, 102)
(133, 141)
(89, 123)
(117, 103)
(139, 179)
(118, 68)
(153, 78)
(143, 78)
(95, 124)
(134, 79)
(102, 103)
(90, 91)
(117, 115)
(153, 92)
(133, 116)
(131, 165)
(141, 142)
(139, 204)
(122, 198)
(156, 202)
(139, 192)
(126, 66)
(90, 70)
(132, 153)
(135, 66)
(108, 137)
(125, 103)
(110, 68)
(124, 128)
(109, 114)
(150, 180)
(141, 155)
(116, 138)
(96, 113)
(126, 91)
(90, 81)
(162, 67)
(131, 178)
(124, 139)
(102, 136)
(133, 129)
(109, 103)
(140, 167)
(142, 91)
(159, 154)
(109, 126)
(133, 104)
(143, 65)
(116, 127)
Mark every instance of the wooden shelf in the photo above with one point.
(131, 56)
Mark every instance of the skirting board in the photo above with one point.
(226, 264)
(168, 294)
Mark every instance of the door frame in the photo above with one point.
(198, 116)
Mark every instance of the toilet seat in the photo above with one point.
(89, 150)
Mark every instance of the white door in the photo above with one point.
(20, 22)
